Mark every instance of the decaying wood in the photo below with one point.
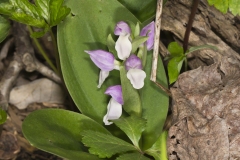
(206, 99)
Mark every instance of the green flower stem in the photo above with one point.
(163, 147)
(56, 52)
(41, 50)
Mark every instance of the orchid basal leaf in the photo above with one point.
(154, 103)
(78, 33)
(59, 131)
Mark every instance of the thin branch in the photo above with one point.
(189, 25)
(156, 40)
(164, 89)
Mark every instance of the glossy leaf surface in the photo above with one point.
(58, 131)
(79, 33)
(154, 103)
(142, 9)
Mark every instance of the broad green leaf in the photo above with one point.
(105, 145)
(221, 5)
(3, 116)
(132, 102)
(173, 68)
(133, 127)
(195, 48)
(132, 156)
(58, 132)
(4, 28)
(142, 9)
(154, 103)
(137, 41)
(175, 49)
(88, 30)
(159, 149)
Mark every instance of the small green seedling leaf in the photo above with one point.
(137, 42)
(195, 48)
(57, 11)
(43, 14)
(132, 102)
(133, 127)
(4, 28)
(220, 5)
(234, 6)
(159, 150)
(3, 116)
(173, 68)
(175, 49)
(105, 145)
(132, 156)
(224, 5)
(25, 12)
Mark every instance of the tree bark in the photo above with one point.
(205, 100)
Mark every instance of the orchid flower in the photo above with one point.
(149, 30)
(114, 108)
(105, 61)
(123, 44)
(135, 73)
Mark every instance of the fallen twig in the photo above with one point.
(156, 40)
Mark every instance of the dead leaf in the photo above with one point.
(41, 90)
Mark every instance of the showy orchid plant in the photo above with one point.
(130, 60)
(122, 112)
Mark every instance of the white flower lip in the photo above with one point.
(114, 111)
(136, 77)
